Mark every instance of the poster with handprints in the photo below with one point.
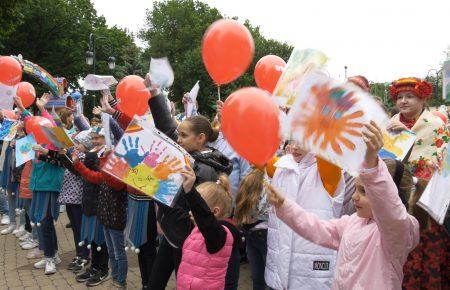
(24, 149)
(8, 129)
(328, 117)
(148, 161)
(435, 199)
(397, 145)
(300, 63)
(58, 137)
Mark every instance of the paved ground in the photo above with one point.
(17, 272)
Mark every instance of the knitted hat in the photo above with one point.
(84, 138)
(98, 131)
(421, 89)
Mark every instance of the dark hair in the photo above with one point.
(64, 115)
(200, 124)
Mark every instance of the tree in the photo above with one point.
(55, 34)
(175, 28)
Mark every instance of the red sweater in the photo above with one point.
(97, 177)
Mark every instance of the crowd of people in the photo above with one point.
(302, 222)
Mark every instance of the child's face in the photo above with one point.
(80, 147)
(188, 139)
(362, 204)
(98, 140)
(295, 150)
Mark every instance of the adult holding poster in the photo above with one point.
(410, 96)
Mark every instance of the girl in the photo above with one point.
(372, 244)
(319, 187)
(252, 212)
(192, 134)
(210, 257)
(112, 212)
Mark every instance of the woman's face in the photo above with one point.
(188, 139)
(362, 204)
(409, 105)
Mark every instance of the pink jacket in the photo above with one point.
(200, 269)
(371, 252)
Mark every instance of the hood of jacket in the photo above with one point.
(215, 159)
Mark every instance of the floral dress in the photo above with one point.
(427, 265)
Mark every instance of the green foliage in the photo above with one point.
(175, 28)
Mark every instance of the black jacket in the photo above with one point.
(89, 201)
(175, 221)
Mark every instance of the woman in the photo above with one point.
(425, 268)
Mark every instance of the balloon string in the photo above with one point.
(218, 92)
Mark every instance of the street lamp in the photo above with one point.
(345, 69)
(90, 54)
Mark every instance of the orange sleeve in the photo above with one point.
(330, 175)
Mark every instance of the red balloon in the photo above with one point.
(133, 96)
(10, 71)
(267, 72)
(441, 115)
(227, 50)
(27, 93)
(34, 124)
(251, 124)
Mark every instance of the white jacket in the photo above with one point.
(293, 262)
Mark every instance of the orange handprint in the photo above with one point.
(117, 166)
(167, 167)
(327, 120)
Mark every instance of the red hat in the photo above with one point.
(360, 81)
(421, 89)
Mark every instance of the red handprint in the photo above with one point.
(117, 166)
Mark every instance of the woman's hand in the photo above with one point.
(18, 103)
(396, 126)
(75, 158)
(373, 137)
(42, 101)
(219, 107)
(274, 197)
(189, 178)
(106, 108)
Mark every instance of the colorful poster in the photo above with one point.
(97, 83)
(435, 199)
(446, 80)
(148, 161)
(327, 118)
(24, 149)
(58, 137)
(300, 63)
(397, 145)
(8, 129)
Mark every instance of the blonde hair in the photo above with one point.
(217, 194)
(248, 195)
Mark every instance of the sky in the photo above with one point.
(380, 39)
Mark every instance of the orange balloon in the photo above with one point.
(250, 124)
(10, 71)
(267, 72)
(270, 166)
(133, 96)
(34, 124)
(27, 93)
(227, 50)
(441, 115)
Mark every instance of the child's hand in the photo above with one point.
(374, 142)
(106, 108)
(42, 101)
(62, 151)
(40, 149)
(189, 178)
(274, 197)
(75, 158)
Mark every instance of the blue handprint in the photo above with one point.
(132, 152)
(166, 188)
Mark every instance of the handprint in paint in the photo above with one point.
(132, 152)
(167, 190)
(117, 166)
(168, 167)
(155, 152)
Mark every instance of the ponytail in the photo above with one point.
(218, 194)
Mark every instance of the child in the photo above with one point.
(210, 257)
(372, 244)
(112, 201)
(318, 186)
(252, 212)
